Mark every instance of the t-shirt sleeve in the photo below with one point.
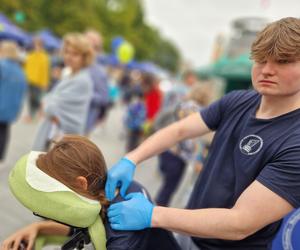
(215, 113)
(282, 176)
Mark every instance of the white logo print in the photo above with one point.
(251, 144)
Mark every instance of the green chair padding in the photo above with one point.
(63, 206)
(44, 240)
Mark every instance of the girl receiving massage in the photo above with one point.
(79, 164)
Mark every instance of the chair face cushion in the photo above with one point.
(57, 202)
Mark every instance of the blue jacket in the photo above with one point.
(12, 90)
(136, 115)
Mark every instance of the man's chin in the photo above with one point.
(266, 91)
(272, 93)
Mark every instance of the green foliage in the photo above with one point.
(111, 17)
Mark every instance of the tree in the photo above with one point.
(111, 17)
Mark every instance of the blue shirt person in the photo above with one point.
(251, 179)
(12, 91)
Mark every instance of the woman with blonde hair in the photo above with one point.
(66, 106)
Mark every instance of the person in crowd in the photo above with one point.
(251, 178)
(153, 100)
(173, 162)
(57, 66)
(130, 84)
(12, 90)
(66, 106)
(189, 80)
(135, 117)
(37, 66)
(100, 100)
(180, 89)
(203, 95)
(125, 85)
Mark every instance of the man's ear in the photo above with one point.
(82, 183)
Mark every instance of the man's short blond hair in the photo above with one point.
(80, 43)
(280, 41)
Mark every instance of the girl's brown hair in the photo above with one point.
(75, 156)
(280, 40)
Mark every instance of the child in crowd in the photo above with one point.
(134, 120)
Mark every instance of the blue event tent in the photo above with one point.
(51, 42)
(12, 32)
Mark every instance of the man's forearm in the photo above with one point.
(205, 223)
(164, 139)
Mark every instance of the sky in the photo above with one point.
(192, 25)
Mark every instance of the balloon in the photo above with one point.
(116, 42)
(125, 52)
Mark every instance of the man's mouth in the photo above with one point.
(264, 81)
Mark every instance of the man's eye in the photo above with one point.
(284, 61)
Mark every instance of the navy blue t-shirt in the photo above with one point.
(131, 240)
(246, 149)
(147, 239)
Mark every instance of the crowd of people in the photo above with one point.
(71, 93)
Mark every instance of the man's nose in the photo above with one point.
(268, 68)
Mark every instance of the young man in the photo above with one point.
(252, 175)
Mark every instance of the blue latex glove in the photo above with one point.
(133, 214)
(120, 175)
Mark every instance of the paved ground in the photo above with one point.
(110, 140)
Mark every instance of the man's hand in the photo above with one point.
(120, 175)
(133, 214)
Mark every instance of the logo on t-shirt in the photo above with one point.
(251, 144)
